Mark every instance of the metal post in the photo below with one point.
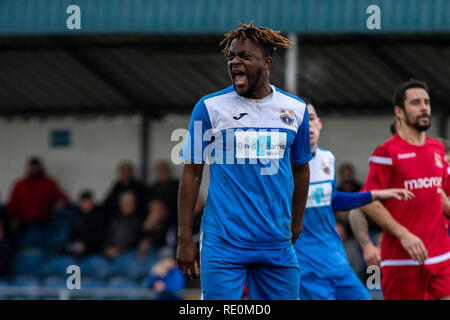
(291, 65)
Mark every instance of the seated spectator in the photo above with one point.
(34, 196)
(123, 230)
(347, 183)
(154, 227)
(126, 182)
(165, 278)
(88, 229)
(165, 189)
(352, 250)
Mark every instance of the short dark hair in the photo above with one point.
(35, 161)
(86, 195)
(307, 100)
(400, 91)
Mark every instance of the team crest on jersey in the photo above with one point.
(287, 116)
(326, 168)
(438, 160)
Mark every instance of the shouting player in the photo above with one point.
(325, 273)
(415, 250)
(248, 229)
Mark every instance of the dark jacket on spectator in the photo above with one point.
(89, 228)
(123, 232)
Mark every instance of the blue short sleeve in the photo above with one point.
(301, 148)
(196, 140)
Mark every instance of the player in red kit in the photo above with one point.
(415, 250)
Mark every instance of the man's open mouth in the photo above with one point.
(239, 77)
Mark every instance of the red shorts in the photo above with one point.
(427, 282)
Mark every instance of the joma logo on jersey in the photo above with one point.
(421, 183)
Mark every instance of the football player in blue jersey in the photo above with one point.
(325, 273)
(259, 177)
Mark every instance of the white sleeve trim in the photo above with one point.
(381, 160)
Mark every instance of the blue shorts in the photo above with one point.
(345, 287)
(270, 274)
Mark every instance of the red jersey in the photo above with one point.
(423, 171)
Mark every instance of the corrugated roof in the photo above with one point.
(166, 74)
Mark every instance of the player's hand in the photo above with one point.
(372, 255)
(296, 230)
(188, 258)
(414, 246)
(387, 194)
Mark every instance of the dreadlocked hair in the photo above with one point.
(269, 39)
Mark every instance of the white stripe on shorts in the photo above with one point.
(411, 262)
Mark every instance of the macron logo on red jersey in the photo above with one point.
(421, 183)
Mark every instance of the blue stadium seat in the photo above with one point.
(29, 284)
(57, 265)
(90, 283)
(95, 266)
(121, 282)
(54, 282)
(25, 281)
(125, 265)
(28, 262)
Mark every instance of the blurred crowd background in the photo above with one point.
(90, 122)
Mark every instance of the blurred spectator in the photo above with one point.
(352, 250)
(126, 182)
(165, 278)
(154, 227)
(347, 184)
(88, 229)
(165, 189)
(123, 230)
(33, 197)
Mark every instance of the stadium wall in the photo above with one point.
(96, 147)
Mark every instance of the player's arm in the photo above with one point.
(360, 228)
(446, 204)
(300, 157)
(411, 243)
(301, 186)
(187, 252)
(191, 177)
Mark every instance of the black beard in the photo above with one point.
(252, 88)
(418, 126)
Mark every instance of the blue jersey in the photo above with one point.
(255, 142)
(319, 248)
